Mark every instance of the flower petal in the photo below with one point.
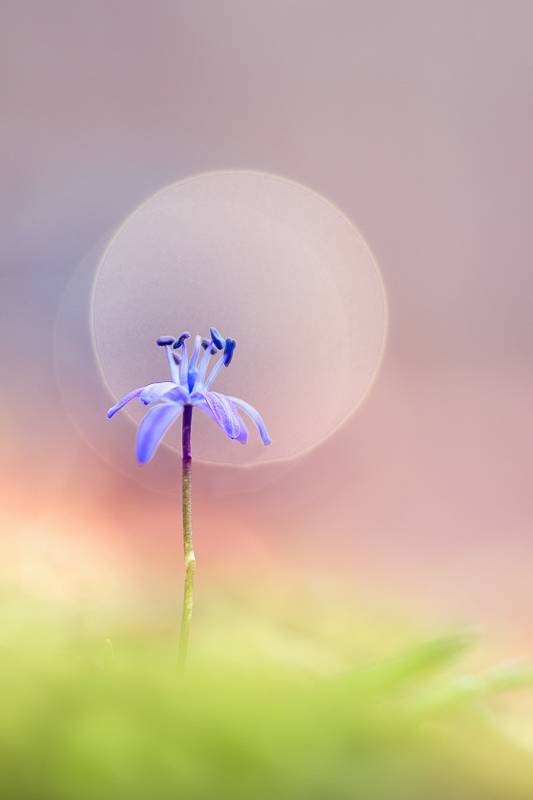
(200, 403)
(153, 427)
(155, 391)
(122, 403)
(253, 414)
(177, 394)
(223, 412)
(243, 435)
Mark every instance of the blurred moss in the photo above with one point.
(251, 721)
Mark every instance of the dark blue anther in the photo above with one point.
(217, 338)
(176, 358)
(228, 351)
(179, 342)
(206, 343)
(164, 340)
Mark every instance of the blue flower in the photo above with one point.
(190, 387)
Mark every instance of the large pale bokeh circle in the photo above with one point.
(271, 264)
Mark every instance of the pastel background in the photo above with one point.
(416, 119)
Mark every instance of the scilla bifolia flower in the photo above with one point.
(190, 387)
(187, 388)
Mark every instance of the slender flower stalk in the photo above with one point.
(188, 549)
(189, 387)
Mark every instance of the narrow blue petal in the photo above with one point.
(122, 403)
(155, 391)
(254, 415)
(222, 411)
(177, 394)
(243, 435)
(153, 427)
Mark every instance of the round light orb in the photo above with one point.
(268, 263)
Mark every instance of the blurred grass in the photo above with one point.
(286, 696)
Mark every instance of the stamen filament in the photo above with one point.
(174, 371)
(214, 372)
(184, 366)
(200, 375)
(193, 365)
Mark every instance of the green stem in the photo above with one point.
(190, 561)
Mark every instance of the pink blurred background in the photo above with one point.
(416, 119)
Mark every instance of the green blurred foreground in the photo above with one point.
(252, 719)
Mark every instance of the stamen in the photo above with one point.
(174, 372)
(195, 353)
(224, 361)
(193, 365)
(214, 373)
(179, 342)
(228, 351)
(165, 340)
(200, 375)
(177, 359)
(184, 363)
(206, 343)
(217, 338)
